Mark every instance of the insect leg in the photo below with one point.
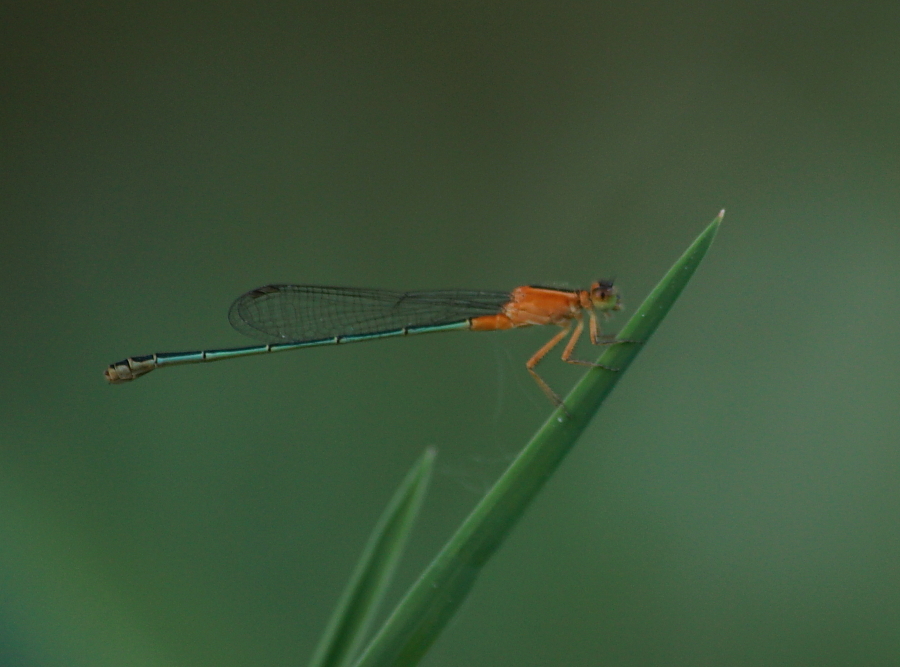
(570, 346)
(540, 354)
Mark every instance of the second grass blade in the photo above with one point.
(346, 631)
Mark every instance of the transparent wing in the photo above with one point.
(296, 313)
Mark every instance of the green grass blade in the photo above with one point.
(424, 611)
(346, 630)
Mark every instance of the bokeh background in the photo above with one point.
(736, 500)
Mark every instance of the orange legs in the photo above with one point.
(567, 353)
(540, 354)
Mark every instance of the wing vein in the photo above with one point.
(296, 313)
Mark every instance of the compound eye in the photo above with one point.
(602, 287)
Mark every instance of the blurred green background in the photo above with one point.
(736, 502)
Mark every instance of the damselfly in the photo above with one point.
(289, 317)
